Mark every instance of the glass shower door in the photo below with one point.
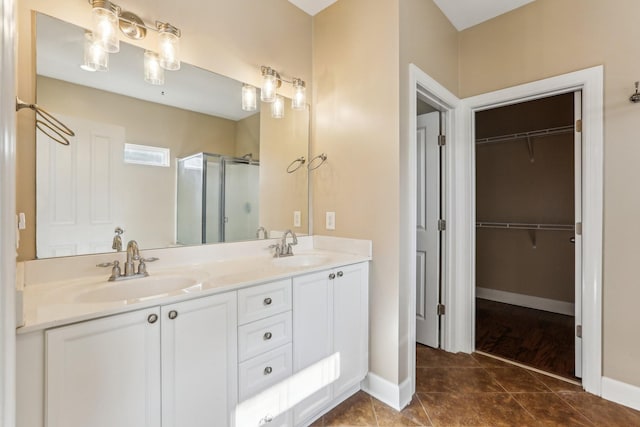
(241, 188)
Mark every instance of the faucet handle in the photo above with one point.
(277, 249)
(152, 259)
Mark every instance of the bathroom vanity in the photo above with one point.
(217, 335)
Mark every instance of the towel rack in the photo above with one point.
(313, 164)
(296, 164)
(47, 123)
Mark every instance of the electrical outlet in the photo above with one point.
(330, 221)
(296, 218)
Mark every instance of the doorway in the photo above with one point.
(528, 244)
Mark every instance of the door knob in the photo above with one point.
(572, 240)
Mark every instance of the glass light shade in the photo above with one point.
(269, 86)
(169, 51)
(153, 72)
(95, 57)
(249, 98)
(277, 107)
(299, 100)
(105, 27)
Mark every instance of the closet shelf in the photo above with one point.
(525, 226)
(526, 135)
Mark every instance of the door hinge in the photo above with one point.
(578, 125)
(579, 331)
(442, 140)
(579, 228)
(440, 309)
(442, 225)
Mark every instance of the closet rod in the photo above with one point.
(524, 135)
(525, 226)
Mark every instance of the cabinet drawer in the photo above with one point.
(264, 335)
(257, 374)
(263, 301)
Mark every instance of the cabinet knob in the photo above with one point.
(268, 370)
(267, 336)
(266, 420)
(152, 318)
(173, 314)
(340, 273)
(332, 276)
(267, 301)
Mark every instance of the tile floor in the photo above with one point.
(475, 390)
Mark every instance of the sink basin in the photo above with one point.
(304, 260)
(139, 289)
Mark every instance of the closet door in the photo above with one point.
(578, 233)
(428, 236)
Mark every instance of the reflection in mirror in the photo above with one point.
(171, 165)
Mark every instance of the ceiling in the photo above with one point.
(462, 13)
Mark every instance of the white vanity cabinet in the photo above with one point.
(174, 365)
(331, 315)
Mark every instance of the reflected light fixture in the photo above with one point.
(95, 57)
(277, 107)
(104, 20)
(249, 98)
(153, 72)
(299, 100)
(107, 17)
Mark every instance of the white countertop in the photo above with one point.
(67, 298)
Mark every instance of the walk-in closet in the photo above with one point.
(528, 192)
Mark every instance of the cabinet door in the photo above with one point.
(351, 325)
(105, 372)
(199, 362)
(312, 326)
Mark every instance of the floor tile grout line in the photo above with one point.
(559, 394)
(373, 409)
(522, 406)
(424, 409)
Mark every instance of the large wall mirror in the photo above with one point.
(171, 165)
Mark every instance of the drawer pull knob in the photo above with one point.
(332, 276)
(267, 336)
(152, 318)
(266, 420)
(267, 301)
(340, 274)
(268, 370)
(173, 314)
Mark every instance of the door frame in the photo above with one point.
(460, 265)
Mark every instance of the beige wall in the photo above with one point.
(547, 38)
(248, 137)
(356, 83)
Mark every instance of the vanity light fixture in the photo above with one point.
(635, 98)
(95, 57)
(277, 107)
(249, 98)
(107, 17)
(272, 80)
(153, 72)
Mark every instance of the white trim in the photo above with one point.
(529, 301)
(441, 98)
(7, 212)
(622, 393)
(590, 81)
(396, 396)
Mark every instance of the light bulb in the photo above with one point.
(299, 100)
(269, 85)
(169, 46)
(249, 98)
(95, 57)
(277, 107)
(153, 72)
(105, 25)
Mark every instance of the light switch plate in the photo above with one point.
(330, 221)
(297, 218)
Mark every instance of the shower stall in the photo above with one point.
(217, 199)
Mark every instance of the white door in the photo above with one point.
(76, 189)
(199, 362)
(578, 233)
(428, 236)
(105, 372)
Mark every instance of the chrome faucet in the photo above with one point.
(117, 239)
(133, 254)
(264, 233)
(283, 248)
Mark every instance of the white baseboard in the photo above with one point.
(554, 306)
(394, 395)
(622, 393)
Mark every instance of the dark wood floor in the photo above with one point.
(535, 338)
